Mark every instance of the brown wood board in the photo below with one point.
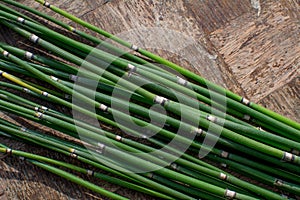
(254, 56)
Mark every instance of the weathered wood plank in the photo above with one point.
(262, 52)
(212, 15)
(285, 100)
(266, 66)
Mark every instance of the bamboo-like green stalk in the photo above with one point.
(258, 175)
(8, 66)
(161, 60)
(14, 12)
(216, 174)
(85, 171)
(131, 174)
(164, 172)
(239, 137)
(279, 139)
(96, 130)
(272, 170)
(104, 44)
(227, 133)
(293, 134)
(66, 175)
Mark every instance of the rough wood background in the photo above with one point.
(249, 47)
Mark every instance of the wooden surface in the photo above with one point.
(250, 49)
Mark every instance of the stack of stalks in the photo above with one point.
(128, 91)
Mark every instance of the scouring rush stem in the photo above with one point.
(8, 66)
(95, 40)
(249, 142)
(14, 12)
(36, 107)
(79, 61)
(88, 172)
(181, 70)
(118, 138)
(271, 170)
(167, 156)
(68, 176)
(218, 175)
(163, 171)
(78, 180)
(262, 157)
(188, 100)
(155, 98)
(54, 64)
(286, 157)
(258, 175)
(170, 105)
(120, 62)
(132, 176)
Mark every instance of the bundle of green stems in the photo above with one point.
(147, 150)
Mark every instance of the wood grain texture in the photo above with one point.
(262, 52)
(225, 41)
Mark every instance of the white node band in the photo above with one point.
(288, 157)
(247, 117)
(72, 29)
(9, 151)
(29, 55)
(182, 81)
(5, 54)
(279, 182)
(103, 107)
(90, 173)
(131, 69)
(21, 20)
(43, 108)
(100, 148)
(47, 4)
(45, 94)
(23, 129)
(211, 118)
(33, 38)
(54, 78)
(160, 100)
(198, 131)
(73, 78)
(174, 166)
(39, 115)
(144, 136)
(73, 155)
(26, 90)
(224, 165)
(134, 47)
(230, 194)
(119, 138)
(225, 154)
(245, 101)
(223, 176)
